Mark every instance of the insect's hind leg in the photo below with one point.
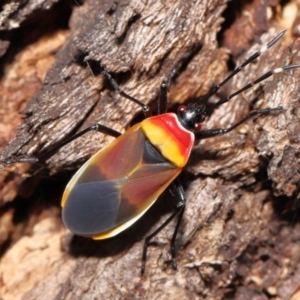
(178, 192)
(45, 156)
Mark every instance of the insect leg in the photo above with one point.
(163, 98)
(219, 131)
(179, 194)
(145, 108)
(177, 189)
(172, 75)
(45, 156)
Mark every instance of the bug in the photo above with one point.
(119, 183)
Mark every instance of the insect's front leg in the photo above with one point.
(204, 134)
(145, 108)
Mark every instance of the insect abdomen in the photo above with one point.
(116, 186)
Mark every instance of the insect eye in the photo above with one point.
(197, 126)
(181, 108)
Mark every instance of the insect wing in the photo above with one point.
(116, 186)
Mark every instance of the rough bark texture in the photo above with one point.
(240, 235)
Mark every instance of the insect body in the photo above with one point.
(117, 185)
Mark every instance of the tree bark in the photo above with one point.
(239, 236)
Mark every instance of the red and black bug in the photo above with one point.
(119, 183)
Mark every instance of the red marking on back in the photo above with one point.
(183, 137)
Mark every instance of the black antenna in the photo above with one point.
(263, 49)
